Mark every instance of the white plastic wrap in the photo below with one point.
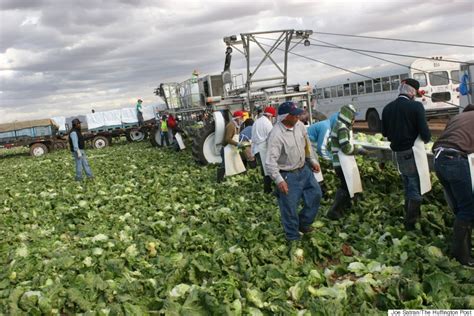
(148, 112)
(60, 121)
(129, 115)
(95, 120)
(113, 118)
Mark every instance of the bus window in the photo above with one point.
(319, 93)
(347, 90)
(353, 88)
(377, 85)
(394, 82)
(327, 93)
(360, 87)
(439, 78)
(368, 86)
(340, 91)
(333, 92)
(455, 76)
(404, 76)
(385, 83)
(421, 78)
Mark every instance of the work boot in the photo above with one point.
(461, 248)
(267, 184)
(220, 174)
(412, 213)
(341, 202)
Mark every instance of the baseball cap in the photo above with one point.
(238, 114)
(270, 110)
(76, 121)
(415, 84)
(289, 107)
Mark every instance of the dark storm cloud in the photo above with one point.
(62, 56)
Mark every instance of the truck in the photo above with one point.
(40, 136)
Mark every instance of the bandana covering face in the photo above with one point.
(281, 117)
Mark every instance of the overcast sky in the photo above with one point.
(65, 57)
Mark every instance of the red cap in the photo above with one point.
(270, 110)
(238, 114)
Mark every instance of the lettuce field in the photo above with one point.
(154, 234)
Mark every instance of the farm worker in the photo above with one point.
(318, 134)
(139, 112)
(76, 144)
(164, 131)
(246, 136)
(290, 162)
(175, 129)
(260, 131)
(231, 130)
(454, 171)
(340, 143)
(403, 121)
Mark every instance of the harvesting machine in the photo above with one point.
(212, 99)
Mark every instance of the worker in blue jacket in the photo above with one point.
(318, 134)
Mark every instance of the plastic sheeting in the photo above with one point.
(148, 112)
(60, 121)
(129, 115)
(113, 118)
(95, 120)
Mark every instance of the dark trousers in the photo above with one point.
(453, 173)
(340, 175)
(165, 139)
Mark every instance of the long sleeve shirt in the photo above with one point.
(230, 130)
(459, 134)
(288, 149)
(402, 121)
(260, 131)
(341, 140)
(319, 133)
(75, 141)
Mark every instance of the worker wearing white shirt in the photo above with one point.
(260, 131)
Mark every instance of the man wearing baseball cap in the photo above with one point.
(76, 144)
(402, 121)
(290, 163)
(231, 129)
(260, 131)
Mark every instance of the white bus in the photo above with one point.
(439, 82)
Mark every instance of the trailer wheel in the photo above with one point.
(204, 151)
(136, 135)
(373, 121)
(155, 137)
(100, 142)
(38, 149)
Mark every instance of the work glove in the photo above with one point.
(79, 154)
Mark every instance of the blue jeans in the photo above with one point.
(453, 173)
(81, 163)
(410, 178)
(301, 184)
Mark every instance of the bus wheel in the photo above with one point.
(100, 142)
(373, 120)
(38, 149)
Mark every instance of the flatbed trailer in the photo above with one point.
(40, 136)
